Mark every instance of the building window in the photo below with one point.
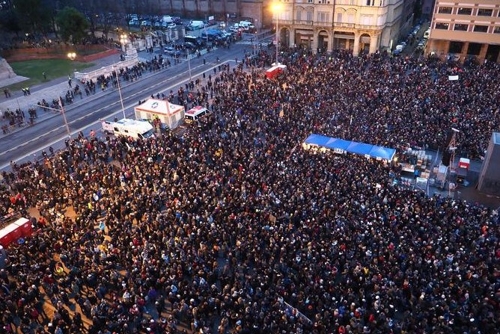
(484, 12)
(464, 11)
(497, 30)
(366, 19)
(461, 27)
(310, 16)
(298, 15)
(442, 26)
(339, 17)
(444, 10)
(323, 17)
(480, 28)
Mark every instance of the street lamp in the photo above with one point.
(120, 92)
(72, 55)
(123, 41)
(276, 9)
(189, 66)
(63, 112)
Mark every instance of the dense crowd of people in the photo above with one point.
(232, 227)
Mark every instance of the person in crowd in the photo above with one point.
(233, 228)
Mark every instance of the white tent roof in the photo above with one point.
(159, 107)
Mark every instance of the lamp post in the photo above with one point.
(63, 112)
(72, 56)
(276, 8)
(120, 92)
(189, 66)
(123, 42)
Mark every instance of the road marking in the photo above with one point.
(98, 121)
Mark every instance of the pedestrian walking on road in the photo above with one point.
(69, 82)
(44, 76)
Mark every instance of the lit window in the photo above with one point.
(444, 10)
(480, 28)
(461, 27)
(484, 12)
(442, 26)
(464, 11)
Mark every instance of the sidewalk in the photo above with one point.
(48, 90)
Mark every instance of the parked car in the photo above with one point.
(421, 45)
(190, 46)
(171, 51)
(171, 26)
(396, 52)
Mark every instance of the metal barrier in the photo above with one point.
(106, 70)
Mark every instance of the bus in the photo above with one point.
(197, 41)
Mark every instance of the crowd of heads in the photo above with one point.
(232, 227)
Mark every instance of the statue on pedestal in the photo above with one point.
(6, 72)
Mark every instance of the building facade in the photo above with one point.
(357, 25)
(466, 28)
(428, 8)
(222, 10)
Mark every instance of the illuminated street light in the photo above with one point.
(276, 8)
(123, 41)
(72, 55)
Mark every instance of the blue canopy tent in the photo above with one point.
(373, 151)
(335, 143)
(359, 148)
(317, 140)
(382, 152)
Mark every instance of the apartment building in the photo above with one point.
(357, 25)
(466, 28)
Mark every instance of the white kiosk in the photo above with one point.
(170, 115)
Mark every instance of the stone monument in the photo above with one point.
(6, 71)
(7, 75)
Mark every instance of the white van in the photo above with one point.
(193, 114)
(167, 19)
(244, 25)
(195, 25)
(129, 128)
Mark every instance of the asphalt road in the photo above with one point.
(28, 144)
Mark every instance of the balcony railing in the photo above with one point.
(323, 24)
(303, 22)
(344, 25)
(367, 26)
(284, 22)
